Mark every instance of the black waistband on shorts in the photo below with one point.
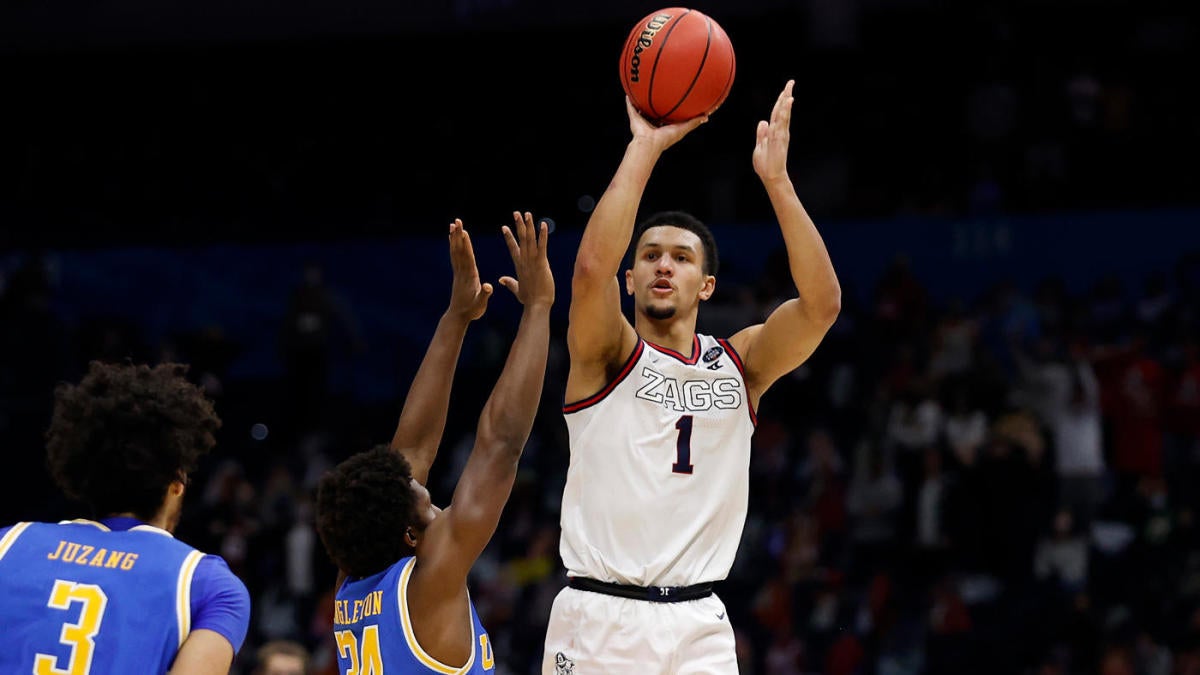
(647, 593)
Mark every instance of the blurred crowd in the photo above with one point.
(992, 484)
(902, 106)
(995, 484)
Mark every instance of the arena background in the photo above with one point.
(1008, 190)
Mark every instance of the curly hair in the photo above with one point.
(364, 506)
(119, 438)
(684, 221)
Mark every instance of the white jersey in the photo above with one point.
(659, 476)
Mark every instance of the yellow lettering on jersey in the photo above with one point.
(72, 551)
(373, 604)
(372, 658)
(98, 559)
(79, 636)
(339, 612)
(90, 556)
(485, 648)
(347, 647)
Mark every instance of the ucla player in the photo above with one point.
(402, 601)
(660, 419)
(120, 594)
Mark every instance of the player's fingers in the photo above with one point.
(528, 238)
(631, 110)
(543, 237)
(760, 133)
(514, 249)
(468, 249)
(510, 283)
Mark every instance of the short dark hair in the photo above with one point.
(364, 506)
(119, 438)
(684, 221)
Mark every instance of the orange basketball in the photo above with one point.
(677, 64)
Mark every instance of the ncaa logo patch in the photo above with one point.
(712, 354)
(563, 665)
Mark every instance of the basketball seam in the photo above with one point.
(699, 69)
(654, 69)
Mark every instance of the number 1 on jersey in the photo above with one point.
(683, 446)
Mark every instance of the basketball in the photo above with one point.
(677, 64)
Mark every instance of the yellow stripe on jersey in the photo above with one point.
(183, 594)
(85, 521)
(411, 637)
(11, 537)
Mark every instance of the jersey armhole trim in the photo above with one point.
(411, 637)
(10, 537)
(183, 594)
(569, 408)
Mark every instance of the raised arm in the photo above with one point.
(792, 332)
(456, 538)
(423, 419)
(598, 334)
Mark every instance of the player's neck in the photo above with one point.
(675, 334)
(160, 520)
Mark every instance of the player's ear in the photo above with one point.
(629, 282)
(410, 536)
(710, 285)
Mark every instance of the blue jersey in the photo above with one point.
(372, 628)
(117, 596)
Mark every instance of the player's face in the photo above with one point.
(668, 276)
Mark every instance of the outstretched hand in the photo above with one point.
(771, 146)
(468, 297)
(661, 137)
(534, 284)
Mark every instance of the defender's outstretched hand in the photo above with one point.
(771, 146)
(468, 297)
(660, 137)
(534, 284)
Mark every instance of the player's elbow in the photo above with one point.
(590, 268)
(825, 308)
(499, 438)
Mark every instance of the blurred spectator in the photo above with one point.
(307, 340)
(281, 657)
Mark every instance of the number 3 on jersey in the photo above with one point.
(683, 446)
(80, 636)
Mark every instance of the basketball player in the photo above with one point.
(660, 419)
(402, 600)
(120, 594)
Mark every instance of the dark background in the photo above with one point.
(996, 182)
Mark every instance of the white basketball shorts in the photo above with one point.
(597, 634)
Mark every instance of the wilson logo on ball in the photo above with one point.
(677, 64)
(645, 41)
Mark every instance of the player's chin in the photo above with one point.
(660, 310)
